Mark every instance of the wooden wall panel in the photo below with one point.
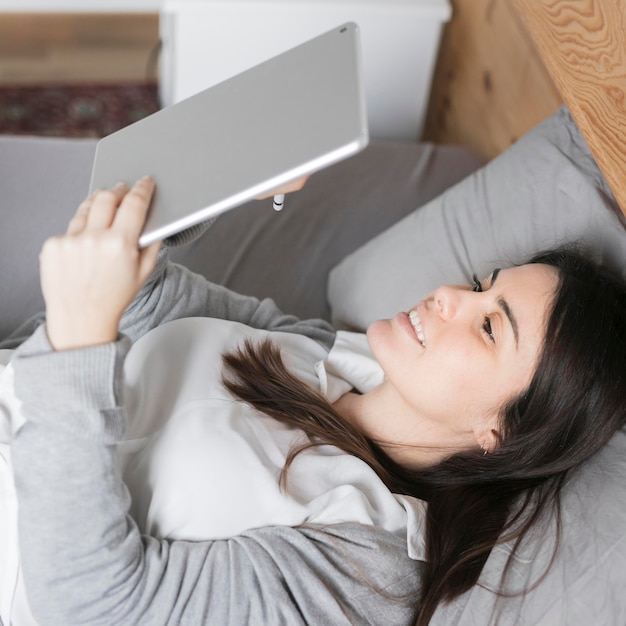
(490, 85)
(583, 44)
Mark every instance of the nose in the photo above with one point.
(447, 301)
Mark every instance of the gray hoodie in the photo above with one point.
(84, 560)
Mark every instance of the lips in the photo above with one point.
(414, 318)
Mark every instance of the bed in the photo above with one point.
(398, 214)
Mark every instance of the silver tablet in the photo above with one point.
(287, 117)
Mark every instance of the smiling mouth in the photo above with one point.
(414, 318)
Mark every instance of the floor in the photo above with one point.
(44, 49)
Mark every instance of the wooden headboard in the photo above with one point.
(505, 65)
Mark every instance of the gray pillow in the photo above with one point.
(585, 585)
(544, 190)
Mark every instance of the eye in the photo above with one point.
(487, 329)
(476, 286)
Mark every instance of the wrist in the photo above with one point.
(63, 336)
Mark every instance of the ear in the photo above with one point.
(487, 438)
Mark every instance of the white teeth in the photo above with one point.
(417, 324)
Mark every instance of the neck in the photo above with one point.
(408, 438)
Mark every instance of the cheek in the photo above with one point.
(457, 357)
(521, 375)
(453, 371)
(460, 376)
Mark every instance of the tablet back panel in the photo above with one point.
(287, 117)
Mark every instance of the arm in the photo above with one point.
(84, 561)
(95, 280)
(172, 291)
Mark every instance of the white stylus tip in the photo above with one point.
(279, 201)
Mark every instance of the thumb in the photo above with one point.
(148, 259)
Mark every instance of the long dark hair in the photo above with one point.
(575, 402)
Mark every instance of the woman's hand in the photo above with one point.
(93, 272)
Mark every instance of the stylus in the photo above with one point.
(279, 201)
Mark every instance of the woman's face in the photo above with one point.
(459, 355)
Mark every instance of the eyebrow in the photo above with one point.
(504, 305)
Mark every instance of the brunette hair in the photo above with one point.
(575, 402)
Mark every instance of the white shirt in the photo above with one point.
(14, 609)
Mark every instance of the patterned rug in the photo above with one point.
(74, 111)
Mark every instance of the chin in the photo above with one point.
(378, 332)
(376, 328)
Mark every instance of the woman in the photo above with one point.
(486, 404)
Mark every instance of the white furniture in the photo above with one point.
(207, 41)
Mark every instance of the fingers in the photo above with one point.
(148, 259)
(104, 207)
(79, 221)
(132, 212)
(294, 185)
(120, 207)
